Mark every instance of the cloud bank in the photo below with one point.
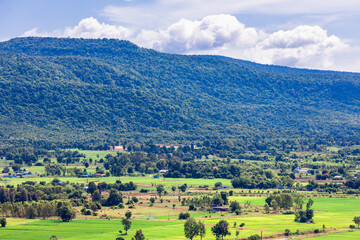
(302, 46)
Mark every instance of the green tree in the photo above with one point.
(91, 187)
(266, 208)
(234, 206)
(274, 205)
(3, 222)
(356, 220)
(221, 229)
(191, 228)
(127, 224)
(202, 230)
(254, 237)
(53, 237)
(66, 213)
(128, 214)
(139, 235)
(160, 189)
(309, 203)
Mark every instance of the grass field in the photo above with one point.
(334, 213)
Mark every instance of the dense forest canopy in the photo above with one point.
(68, 90)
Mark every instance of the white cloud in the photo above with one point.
(302, 46)
(87, 28)
(211, 32)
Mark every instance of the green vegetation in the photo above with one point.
(73, 92)
(247, 150)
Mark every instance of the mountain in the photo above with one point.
(63, 89)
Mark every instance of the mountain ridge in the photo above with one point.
(66, 89)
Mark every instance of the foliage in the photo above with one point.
(126, 223)
(221, 229)
(191, 228)
(63, 90)
(139, 235)
(66, 213)
(3, 222)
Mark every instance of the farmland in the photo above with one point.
(102, 187)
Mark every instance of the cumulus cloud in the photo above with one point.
(302, 46)
(87, 28)
(212, 32)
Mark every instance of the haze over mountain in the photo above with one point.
(63, 89)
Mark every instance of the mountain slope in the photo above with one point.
(79, 89)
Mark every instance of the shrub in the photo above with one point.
(317, 231)
(254, 237)
(3, 222)
(184, 215)
(352, 226)
(287, 232)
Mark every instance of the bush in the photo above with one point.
(254, 237)
(288, 212)
(352, 226)
(287, 232)
(316, 231)
(184, 215)
(3, 222)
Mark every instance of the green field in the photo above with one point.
(335, 213)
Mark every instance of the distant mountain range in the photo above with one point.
(62, 89)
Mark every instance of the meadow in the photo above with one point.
(160, 222)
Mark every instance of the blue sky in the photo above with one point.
(320, 34)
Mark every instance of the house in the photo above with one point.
(337, 178)
(117, 148)
(156, 176)
(164, 171)
(84, 176)
(219, 208)
(298, 170)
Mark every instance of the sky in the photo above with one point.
(317, 34)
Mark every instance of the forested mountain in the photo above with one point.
(62, 89)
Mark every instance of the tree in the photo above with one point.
(114, 198)
(309, 203)
(3, 222)
(202, 230)
(66, 213)
(274, 204)
(221, 229)
(160, 189)
(356, 220)
(191, 228)
(139, 235)
(53, 237)
(266, 208)
(183, 187)
(127, 224)
(237, 233)
(254, 237)
(91, 187)
(128, 214)
(235, 206)
(96, 196)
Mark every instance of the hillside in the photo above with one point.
(61, 89)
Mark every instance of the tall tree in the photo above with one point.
(127, 224)
(202, 229)
(139, 235)
(221, 229)
(191, 228)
